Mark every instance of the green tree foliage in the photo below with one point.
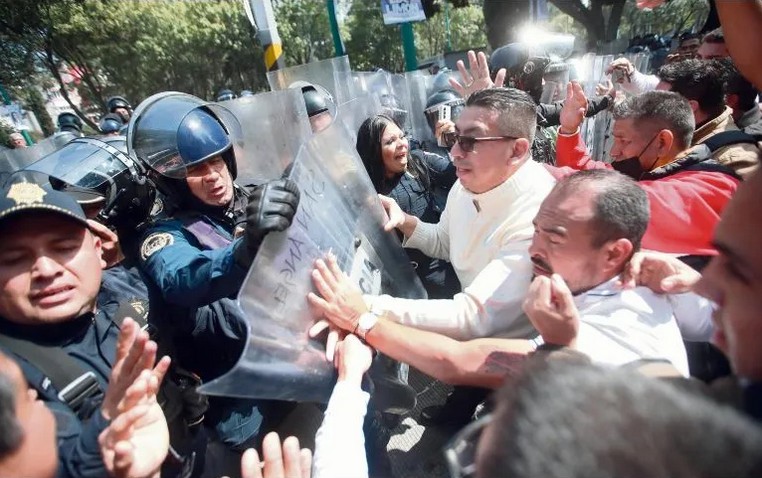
(466, 31)
(304, 29)
(36, 104)
(5, 134)
(372, 44)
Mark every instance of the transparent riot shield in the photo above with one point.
(12, 160)
(339, 212)
(266, 131)
(392, 93)
(352, 113)
(86, 168)
(596, 131)
(418, 85)
(555, 79)
(152, 131)
(333, 74)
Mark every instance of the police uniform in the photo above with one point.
(193, 271)
(85, 347)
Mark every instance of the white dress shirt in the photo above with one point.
(340, 442)
(486, 237)
(621, 326)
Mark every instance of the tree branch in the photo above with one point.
(53, 67)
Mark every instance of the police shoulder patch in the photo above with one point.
(154, 242)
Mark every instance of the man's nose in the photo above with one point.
(457, 152)
(44, 267)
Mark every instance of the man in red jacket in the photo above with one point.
(686, 189)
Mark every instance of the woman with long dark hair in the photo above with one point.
(419, 182)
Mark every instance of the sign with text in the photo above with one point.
(402, 11)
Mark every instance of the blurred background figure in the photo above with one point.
(17, 141)
(69, 123)
(120, 106)
(225, 95)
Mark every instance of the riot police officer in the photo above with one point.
(225, 95)
(443, 108)
(196, 258)
(318, 103)
(55, 324)
(110, 124)
(69, 123)
(120, 106)
(527, 71)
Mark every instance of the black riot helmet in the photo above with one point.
(171, 132)
(120, 106)
(314, 100)
(439, 100)
(110, 123)
(117, 102)
(523, 71)
(225, 95)
(110, 186)
(69, 122)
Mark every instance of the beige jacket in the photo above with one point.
(743, 158)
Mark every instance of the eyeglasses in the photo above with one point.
(460, 451)
(467, 143)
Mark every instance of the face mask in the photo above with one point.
(631, 166)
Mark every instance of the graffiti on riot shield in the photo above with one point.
(339, 212)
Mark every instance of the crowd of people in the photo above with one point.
(594, 318)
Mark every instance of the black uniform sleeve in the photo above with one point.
(442, 170)
(550, 114)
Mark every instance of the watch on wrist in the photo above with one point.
(366, 322)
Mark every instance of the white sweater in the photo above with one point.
(486, 237)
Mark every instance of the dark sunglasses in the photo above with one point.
(467, 143)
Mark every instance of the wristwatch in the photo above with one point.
(366, 322)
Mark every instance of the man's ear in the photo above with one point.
(617, 254)
(694, 106)
(521, 148)
(98, 245)
(731, 99)
(665, 141)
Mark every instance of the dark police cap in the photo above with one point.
(22, 197)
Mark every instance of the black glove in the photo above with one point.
(271, 208)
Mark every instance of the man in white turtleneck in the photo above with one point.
(486, 227)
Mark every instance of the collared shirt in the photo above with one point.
(486, 237)
(340, 441)
(621, 326)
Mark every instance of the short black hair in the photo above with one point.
(736, 84)
(621, 206)
(11, 434)
(662, 110)
(698, 80)
(566, 419)
(517, 110)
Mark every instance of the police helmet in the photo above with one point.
(442, 80)
(225, 94)
(69, 122)
(110, 123)
(111, 187)
(117, 102)
(245, 93)
(314, 101)
(201, 136)
(523, 71)
(440, 99)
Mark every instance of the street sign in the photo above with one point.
(402, 11)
